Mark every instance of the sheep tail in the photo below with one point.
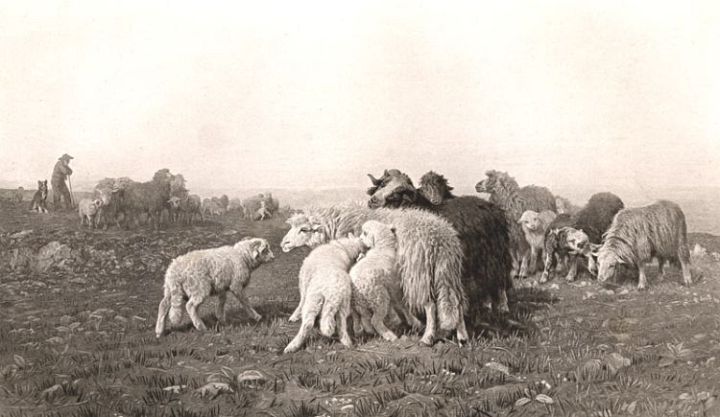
(449, 293)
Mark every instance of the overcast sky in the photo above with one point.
(313, 94)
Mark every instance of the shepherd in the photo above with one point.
(60, 173)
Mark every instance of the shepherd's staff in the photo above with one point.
(72, 197)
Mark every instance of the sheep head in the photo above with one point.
(304, 231)
(259, 249)
(530, 220)
(435, 188)
(378, 234)
(393, 189)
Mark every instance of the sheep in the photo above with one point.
(506, 193)
(534, 225)
(376, 287)
(429, 258)
(637, 235)
(252, 205)
(202, 273)
(481, 226)
(19, 194)
(328, 290)
(564, 242)
(88, 210)
(212, 208)
(593, 220)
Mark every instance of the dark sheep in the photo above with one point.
(481, 226)
(637, 235)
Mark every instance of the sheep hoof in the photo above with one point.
(257, 317)
(426, 341)
(293, 318)
(544, 278)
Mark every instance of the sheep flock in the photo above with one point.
(419, 259)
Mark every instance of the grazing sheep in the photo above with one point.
(506, 193)
(429, 257)
(328, 290)
(202, 273)
(481, 226)
(534, 225)
(376, 286)
(593, 220)
(637, 235)
(88, 210)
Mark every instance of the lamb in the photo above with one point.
(201, 273)
(376, 288)
(568, 243)
(593, 220)
(88, 210)
(429, 258)
(637, 235)
(506, 193)
(185, 209)
(328, 290)
(534, 225)
(481, 226)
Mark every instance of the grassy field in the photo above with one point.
(77, 340)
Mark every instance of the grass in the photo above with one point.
(80, 342)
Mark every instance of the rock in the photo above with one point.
(251, 377)
(21, 234)
(213, 389)
(54, 253)
(495, 366)
(616, 361)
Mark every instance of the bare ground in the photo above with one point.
(78, 340)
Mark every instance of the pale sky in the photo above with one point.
(317, 94)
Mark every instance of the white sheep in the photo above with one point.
(201, 273)
(326, 290)
(534, 225)
(376, 285)
(88, 210)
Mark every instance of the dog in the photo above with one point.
(39, 200)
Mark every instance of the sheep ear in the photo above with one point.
(318, 228)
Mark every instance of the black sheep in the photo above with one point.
(481, 225)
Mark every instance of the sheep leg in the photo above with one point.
(378, 318)
(431, 323)
(298, 310)
(661, 268)
(191, 307)
(572, 269)
(341, 319)
(163, 310)
(357, 326)
(220, 309)
(462, 334)
(365, 321)
(310, 311)
(245, 304)
(685, 266)
(502, 304)
(393, 319)
(523, 266)
(533, 260)
(550, 262)
(642, 279)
